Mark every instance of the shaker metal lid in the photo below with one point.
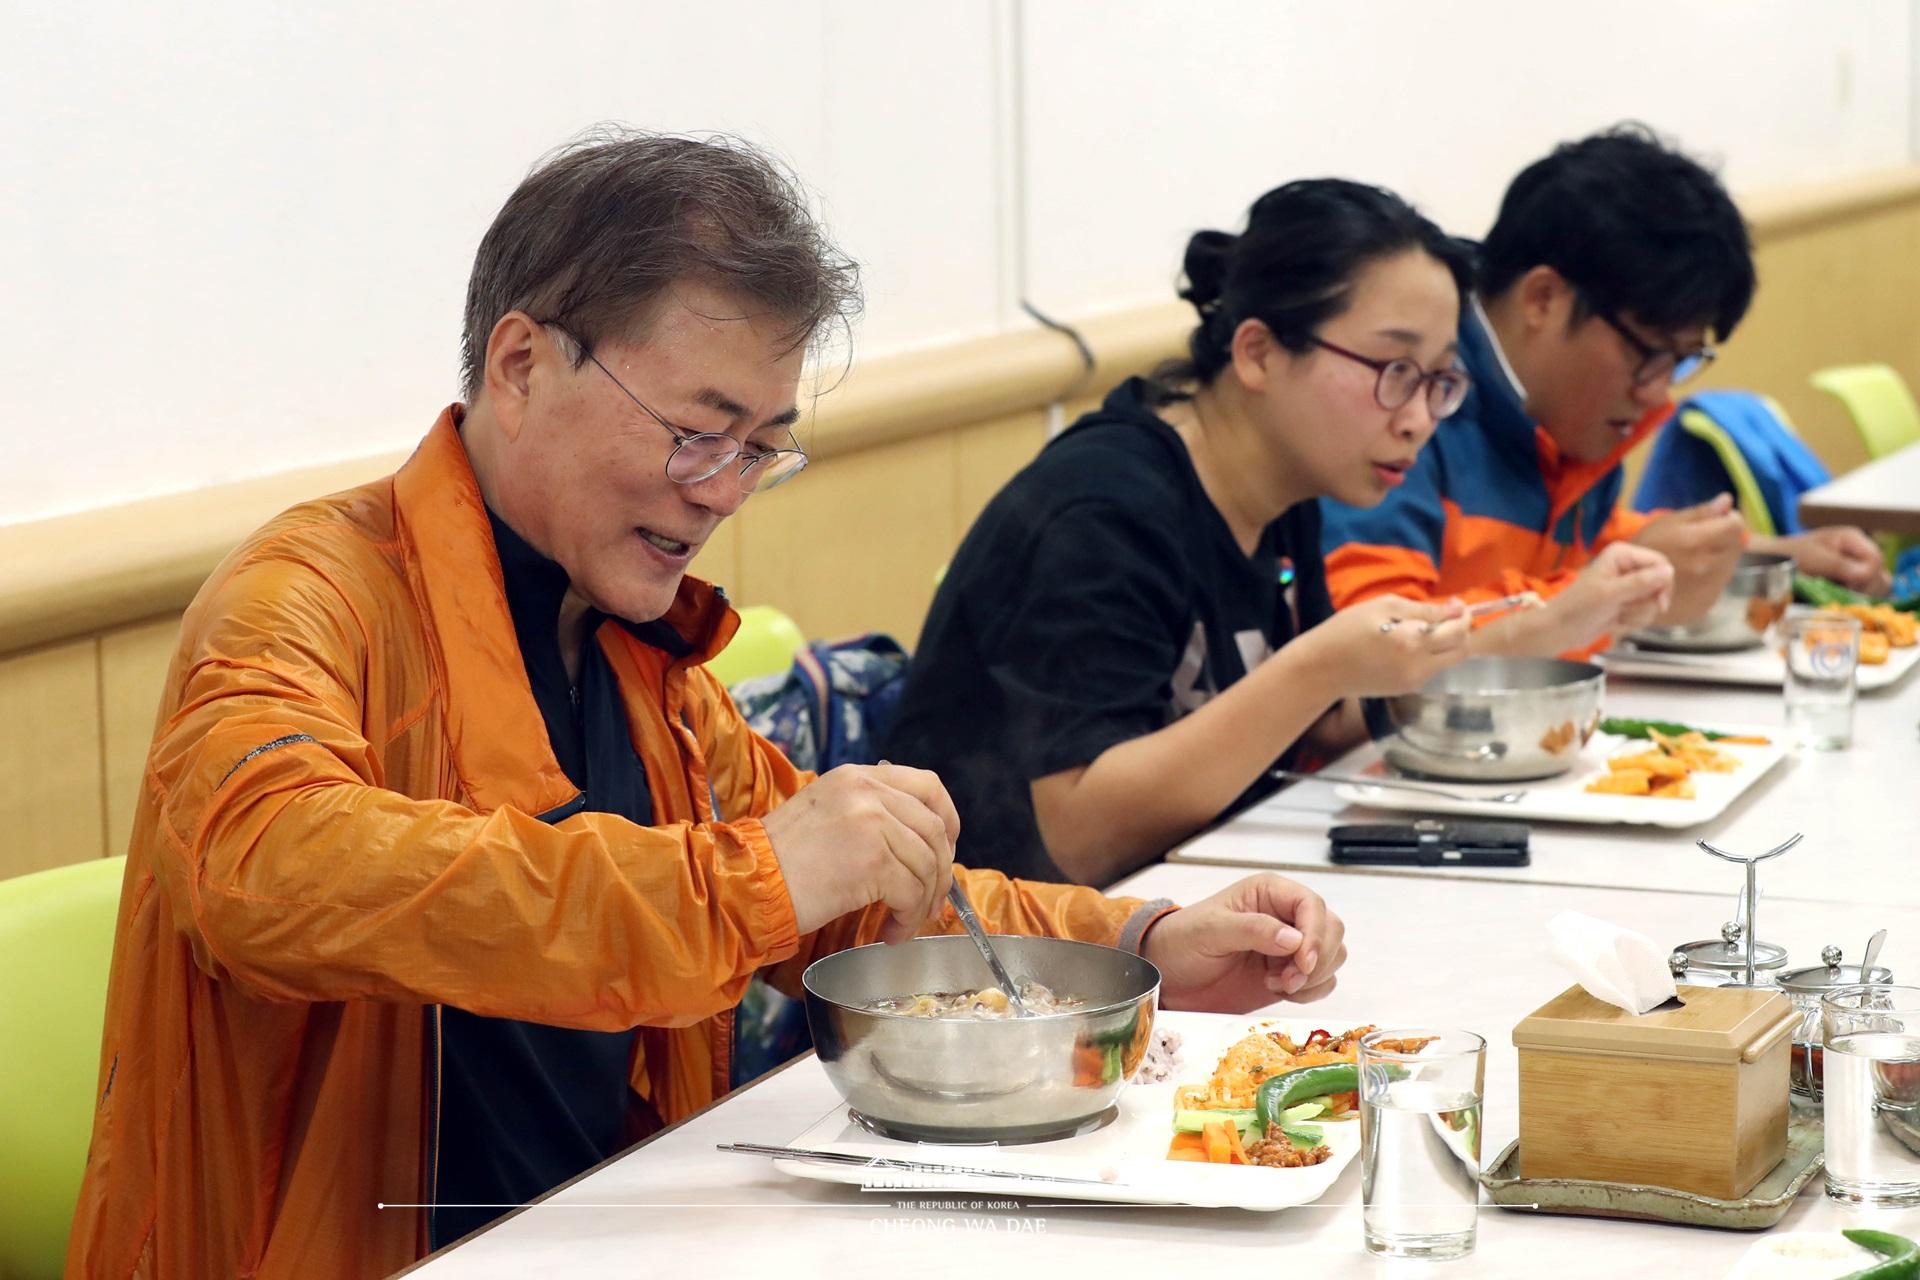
(1721, 955)
(1821, 977)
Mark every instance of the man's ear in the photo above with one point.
(514, 348)
(1545, 298)
(1253, 352)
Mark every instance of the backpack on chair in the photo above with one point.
(834, 705)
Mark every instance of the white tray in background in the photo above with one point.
(1761, 665)
(1129, 1155)
(1565, 798)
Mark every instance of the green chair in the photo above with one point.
(1753, 506)
(764, 646)
(1879, 403)
(56, 944)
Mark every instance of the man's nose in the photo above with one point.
(1654, 392)
(722, 493)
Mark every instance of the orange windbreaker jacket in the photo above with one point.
(340, 829)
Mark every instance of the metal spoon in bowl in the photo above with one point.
(963, 906)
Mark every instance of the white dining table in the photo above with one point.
(1858, 808)
(1881, 495)
(1459, 953)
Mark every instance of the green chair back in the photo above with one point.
(765, 645)
(1753, 505)
(56, 945)
(1879, 403)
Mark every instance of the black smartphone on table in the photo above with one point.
(1431, 842)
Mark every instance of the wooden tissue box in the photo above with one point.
(1691, 1098)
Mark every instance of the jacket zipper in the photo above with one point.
(433, 1153)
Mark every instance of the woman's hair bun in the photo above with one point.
(1206, 268)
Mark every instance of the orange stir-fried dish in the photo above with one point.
(1665, 770)
(1264, 1054)
(1883, 629)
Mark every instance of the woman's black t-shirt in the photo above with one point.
(1099, 597)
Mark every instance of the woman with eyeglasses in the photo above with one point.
(1137, 629)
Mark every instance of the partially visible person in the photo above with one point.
(1136, 629)
(451, 859)
(1613, 267)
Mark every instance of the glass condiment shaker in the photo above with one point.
(1718, 962)
(1805, 987)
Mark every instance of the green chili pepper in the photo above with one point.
(1822, 592)
(1819, 591)
(1900, 1256)
(1282, 1091)
(1646, 729)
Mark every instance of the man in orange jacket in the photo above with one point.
(1612, 263)
(451, 858)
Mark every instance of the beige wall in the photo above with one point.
(907, 453)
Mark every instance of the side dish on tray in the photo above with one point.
(1253, 1109)
(1665, 770)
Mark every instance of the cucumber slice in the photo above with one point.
(1303, 1135)
(1197, 1121)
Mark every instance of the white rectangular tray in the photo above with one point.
(1565, 798)
(1128, 1156)
(1762, 665)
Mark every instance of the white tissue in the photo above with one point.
(1616, 965)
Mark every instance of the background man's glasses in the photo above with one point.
(1400, 380)
(1660, 362)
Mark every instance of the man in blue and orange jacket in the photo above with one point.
(1611, 265)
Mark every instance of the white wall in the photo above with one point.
(237, 235)
(1149, 124)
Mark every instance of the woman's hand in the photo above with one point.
(1388, 645)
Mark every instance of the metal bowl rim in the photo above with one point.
(1595, 672)
(1153, 989)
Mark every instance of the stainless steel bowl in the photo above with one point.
(978, 1080)
(1497, 720)
(1755, 598)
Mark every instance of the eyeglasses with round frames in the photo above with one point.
(701, 455)
(1660, 362)
(1401, 379)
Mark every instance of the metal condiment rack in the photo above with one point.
(1752, 901)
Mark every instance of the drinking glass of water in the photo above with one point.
(1823, 655)
(1420, 1140)
(1871, 1092)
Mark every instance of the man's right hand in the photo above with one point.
(1624, 588)
(1704, 544)
(862, 834)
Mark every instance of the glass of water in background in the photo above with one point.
(1871, 1093)
(1420, 1140)
(1823, 655)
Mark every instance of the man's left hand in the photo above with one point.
(1839, 553)
(1261, 939)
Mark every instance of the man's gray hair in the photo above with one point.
(602, 227)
